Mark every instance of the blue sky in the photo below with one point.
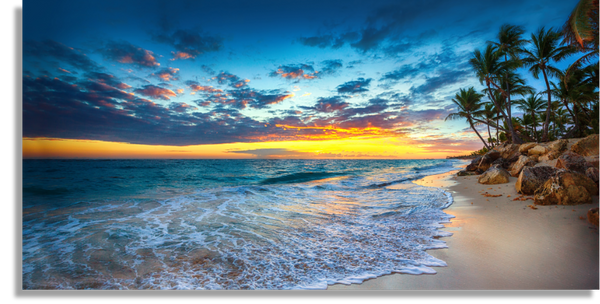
(175, 72)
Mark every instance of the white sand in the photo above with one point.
(499, 243)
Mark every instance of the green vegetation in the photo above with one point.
(566, 107)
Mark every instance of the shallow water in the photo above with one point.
(227, 224)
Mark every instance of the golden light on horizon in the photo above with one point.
(350, 148)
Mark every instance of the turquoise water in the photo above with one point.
(227, 224)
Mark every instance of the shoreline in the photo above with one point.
(501, 244)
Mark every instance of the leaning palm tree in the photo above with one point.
(531, 105)
(469, 106)
(544, 51)
(510, 41)
(489, 69)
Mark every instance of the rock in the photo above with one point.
(571, 161)
(591, 161)
(466, 173)
(537, 150)
(473, 165)
(566, 188)
(592, 216)
(532, 178)
(592, 173)
(534, 157)
(501, 162)
(587, 146)
(524, 148)
(507, 150)
(487, 160)
(494, 175)
(556, 148)
(519, 164)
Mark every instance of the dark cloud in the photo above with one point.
(333, 41)
(401, 73)
(166, 74)
(52, 49)
(107, 79)
(189, 43)
(208, 70)
(355, 86)
(330, 104)
(231, 80)
(445, 78)
(331, 66)
(295, 71)
(125, 52)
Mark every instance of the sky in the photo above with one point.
(258, 79)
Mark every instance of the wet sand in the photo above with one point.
(498, 243)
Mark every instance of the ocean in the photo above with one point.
(228, 224)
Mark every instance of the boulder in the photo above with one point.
(494, 175)
(566, 188)
(501, 162)
(587, 146)
(473, 165)
(591, 161)
(537, 150)
(592, 173)
(487, 160)
(592, 216)
(571, 161)
(467, 173)
(523, 161)
(556, 148)
(532, 178)
(506, 151)
(524, 148)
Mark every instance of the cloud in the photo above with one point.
(107, 79)
(166, 74)
(50, 48)
(354, 87)
(331, 40)
(156, 92)
(331, 104)
(331, 66)
(231, 80)
(125, 52)
(189, 43)
(446, 78)
(273, 153)
(195, 87)
(295, 71)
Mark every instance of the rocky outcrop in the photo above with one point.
(587, 146)
(537, 150)
(487, 160)
(555, 149)
(532, 178)
(519, 164)
(592, 161)
(501, 162)
(494, 175)
(592, 173)
(509, 150)
(571, 161)
(566, 188)
(524, 148)
(473, 165)
(592, 216)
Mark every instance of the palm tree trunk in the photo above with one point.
(490, 135)
(545, 131)
(473, 127)
(515, 138)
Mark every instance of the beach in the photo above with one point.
(499, 243)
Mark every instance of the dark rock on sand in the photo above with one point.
(532, 178)
(494, 175)
(587, 146)
(571, 161)
(592, 216)
(467, 173)
(487, 160)
(566, 188)
(473, 165)
(517, 166)
(592, 173)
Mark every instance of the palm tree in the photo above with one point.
(545, 49)
(489, 69)
(531, 105)
(469, 106)
(581, 32)
(510, 42)
(489, 114)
